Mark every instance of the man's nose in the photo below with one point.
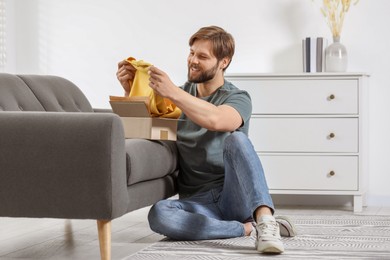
(193, 59)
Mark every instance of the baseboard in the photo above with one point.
(326, 200)
(378, 201)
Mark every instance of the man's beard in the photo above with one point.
(204, 75)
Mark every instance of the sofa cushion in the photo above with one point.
(57, 94)
(16, 95)
(149, 159)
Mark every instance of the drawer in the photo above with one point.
(301, 96)
(294, 134)
(311, 172)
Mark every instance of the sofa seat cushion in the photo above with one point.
(149, 159)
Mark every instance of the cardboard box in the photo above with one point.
(138, 123)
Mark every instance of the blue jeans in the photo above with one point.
(220, 212)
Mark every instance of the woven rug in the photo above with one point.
(319, 237)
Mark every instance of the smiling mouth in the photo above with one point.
(194, 68)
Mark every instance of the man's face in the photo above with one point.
(202, 64)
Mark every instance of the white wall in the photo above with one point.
(83, 40)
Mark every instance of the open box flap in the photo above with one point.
(130, 107)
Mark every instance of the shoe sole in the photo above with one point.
(270, 248)
(287, 228)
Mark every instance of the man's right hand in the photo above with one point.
(125, 74)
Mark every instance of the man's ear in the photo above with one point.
(224, 63)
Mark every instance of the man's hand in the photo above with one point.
(125, 74)
(161, 83)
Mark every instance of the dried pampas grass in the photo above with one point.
(334, 12)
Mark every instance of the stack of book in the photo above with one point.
(313, 53)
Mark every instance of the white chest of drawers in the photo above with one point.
(310, 131)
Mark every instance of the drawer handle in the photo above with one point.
(331, 135)
(332, 173)
(331, 97)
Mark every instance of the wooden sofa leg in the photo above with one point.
(104, 231)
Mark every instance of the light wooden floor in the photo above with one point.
(22, 238)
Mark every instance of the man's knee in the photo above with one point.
(156, 214)
(236, 137)
(235, 141)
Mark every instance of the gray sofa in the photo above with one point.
(60, 158)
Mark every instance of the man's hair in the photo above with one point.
(222, 41)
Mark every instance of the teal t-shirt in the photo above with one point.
(201, 150)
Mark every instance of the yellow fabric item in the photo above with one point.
(158, 106)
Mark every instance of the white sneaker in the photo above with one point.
(268, 238)
(286, 226)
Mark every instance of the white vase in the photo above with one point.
(336, 57)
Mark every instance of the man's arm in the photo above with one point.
(223, 118)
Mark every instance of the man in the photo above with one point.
(222, 186)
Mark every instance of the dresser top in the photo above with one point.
(300, 75)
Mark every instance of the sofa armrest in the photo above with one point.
(65, 165)
(102, 110)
